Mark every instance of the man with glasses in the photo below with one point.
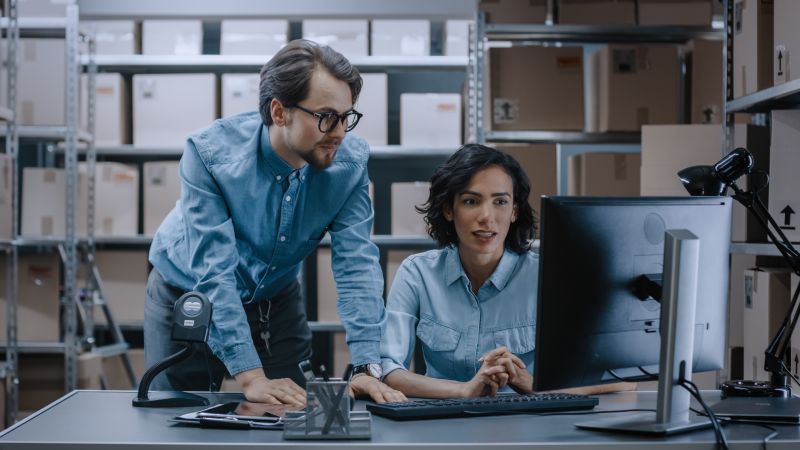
(258, 192)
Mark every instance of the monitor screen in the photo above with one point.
(591, 325)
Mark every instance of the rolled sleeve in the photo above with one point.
(359, 280)
(211, 244)
(402, 316)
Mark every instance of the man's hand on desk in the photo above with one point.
(256, 387)
(367, 386)
(517, 374)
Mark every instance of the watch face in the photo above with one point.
(375, 370)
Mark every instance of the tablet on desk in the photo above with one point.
(238, 415)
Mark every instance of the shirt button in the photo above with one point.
(261, 288)
(273, 268)
(283, 238)
(303, 178)
(288, 198)
(278, 178)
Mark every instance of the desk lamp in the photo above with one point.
(192, 321)
(715, 180)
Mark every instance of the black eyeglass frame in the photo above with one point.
(341, 118)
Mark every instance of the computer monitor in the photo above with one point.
(592, 328)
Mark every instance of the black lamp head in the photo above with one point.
(714, 180)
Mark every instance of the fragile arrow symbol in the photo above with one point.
(506, 110)
(780, 63)
(787, 215)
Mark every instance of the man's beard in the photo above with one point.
(319, 160)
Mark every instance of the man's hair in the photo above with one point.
(452, 178)
(287, 75)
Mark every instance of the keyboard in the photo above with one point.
(465, 407)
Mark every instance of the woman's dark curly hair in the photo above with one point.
(452, 177)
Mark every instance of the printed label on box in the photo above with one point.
(506, 110)
(748, 291)
(781, 64)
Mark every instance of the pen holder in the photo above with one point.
(327, 414)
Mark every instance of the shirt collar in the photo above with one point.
(275, 163)
(500, 277)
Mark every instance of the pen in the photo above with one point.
(325, 376)
(347, 372)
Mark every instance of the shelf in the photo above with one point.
(599, 33)
(36, 347)
(6, 114)
(380, 151)
(38, 27)
(786, 95)
(565, 137)
(48, 133)
(758, 249)
(253, 63)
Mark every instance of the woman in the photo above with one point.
(472, 303)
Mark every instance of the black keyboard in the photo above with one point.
(463, 407)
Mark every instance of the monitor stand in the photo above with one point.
(681, 256)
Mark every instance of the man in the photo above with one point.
(258, 193)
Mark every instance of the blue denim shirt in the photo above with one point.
(237, 237)
(431, 299)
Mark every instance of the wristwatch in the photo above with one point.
(372, 369)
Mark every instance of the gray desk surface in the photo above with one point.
(101, 419)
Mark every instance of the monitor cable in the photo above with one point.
(722, 443)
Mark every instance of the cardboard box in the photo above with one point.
(348, 37)
(784, 203)
(739, 264)
(116, 199)
(752, 46)
(341, 353)
(124, 274)
(113, 37)
(401, 38)
(326, 287)
(41, 80)
(41, 377)
(430, 120)
(706, 81)
(43, 202)
(675, 12)
(540, 164)
(767, 299)
(167, 108)
(536, 88)
(37, 298)
(374, 104)
(597, 12)
(253, 37)
(114, 371)
(786, 62)
(514, 11)
(172, 37)
(605, 174)
(162, 189)
(6, 198)
(239, 93)
(635, 86)
(111, 109)
(405, 196)
(41, 8)
(457, 37)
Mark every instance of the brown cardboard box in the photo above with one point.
(37, 298)
(405, 197)
(539, 162)
(604, 174)
(784, 203)
(341, 353)
(162, 189)
(786, 62)
(41, 78)
(739, 264)
(514, 11)
(597, 12)
(675, 12)
(536, 88)
(111, 109)
(6, 197)
(114, 371)
(42, 377)
(766, 301)
(752, 46)
(43, 202)
(326, 287)
(124, 274)
(635, 86)
(706, 81)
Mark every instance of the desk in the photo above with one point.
(101, 419)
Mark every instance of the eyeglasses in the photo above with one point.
(328, 120)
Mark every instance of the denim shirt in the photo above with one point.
(431, 299)
(246, 220)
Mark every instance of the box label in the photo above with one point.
(781, 64)
(506, 110)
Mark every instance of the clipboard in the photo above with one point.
(237, 415)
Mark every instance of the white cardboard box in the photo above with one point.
(111, 109)
(124, 275)
(401, 37)
(37, 298)
(167, 108)
(172, 37)
(374, 104)
(457, 37)
(405, 196)
(43, 202)
(253, 36)
(752, 46)
(112, 37)
(162, 189)
(766, 301)
(430, 120)
(348, 37)
(41, 81)
(6, 193)
(784, 185)
(786, 62)
(739, 265)
(239, 93)
(116, 199)
(42, 8)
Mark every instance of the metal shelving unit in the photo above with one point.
(782, 96)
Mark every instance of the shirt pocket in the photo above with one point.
(439, 344)
(518, 340)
